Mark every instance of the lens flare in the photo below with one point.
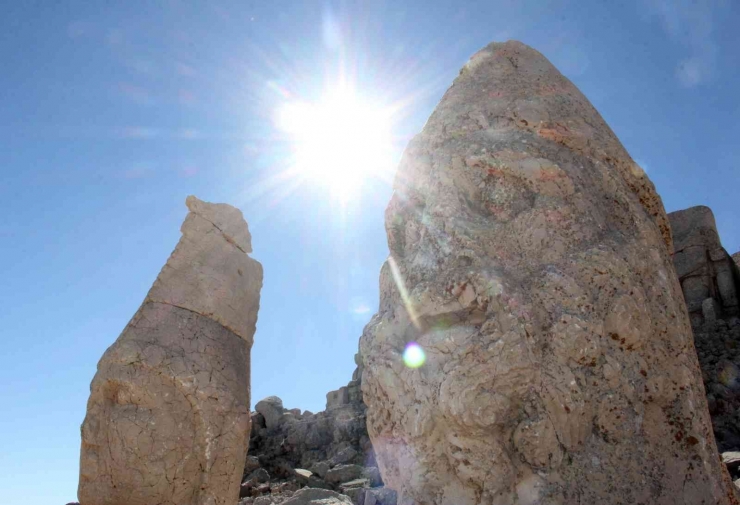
(340, 140)
(413, 355)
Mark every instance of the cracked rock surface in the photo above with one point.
(530, 259)
(710, 280)
(168, 419)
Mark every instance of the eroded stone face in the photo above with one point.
(530, 260)
(168, 416)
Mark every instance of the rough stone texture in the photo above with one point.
(706, 271)
(710, 280)
(271, 409)
(168, 416)
(736, 257)
(530, 258)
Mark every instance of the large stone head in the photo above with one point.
(529, 260)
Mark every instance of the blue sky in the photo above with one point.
(113, 112)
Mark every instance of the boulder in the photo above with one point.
(254, 481)
(343, 473)
(731, 459)
(258, 476)
(167, 420)
(271, 409)
(532, 344)
(372, 474)
(302, 475)
(321, 468)
(704, 268)
(251, 464)
(311, 496)
(344, 456)
(380, 496)
(318, 483)
(261, 489)
(355, 490)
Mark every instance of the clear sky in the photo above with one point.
(113, 112)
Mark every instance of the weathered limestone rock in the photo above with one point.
(530, 260)
(271, 409)
(704, 268)
(710, 280)
(168, 416)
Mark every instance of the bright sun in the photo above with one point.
(338, 141)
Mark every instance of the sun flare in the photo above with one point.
(339, 141)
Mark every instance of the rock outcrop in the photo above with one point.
(168, 416)
(709, 277)
(530, 261)
(290, 449)
(710, 280)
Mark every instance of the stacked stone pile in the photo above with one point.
(710, 281)
(290, 449)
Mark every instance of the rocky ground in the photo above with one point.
(290, 450)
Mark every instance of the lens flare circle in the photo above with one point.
(338, 141)
(413, 355)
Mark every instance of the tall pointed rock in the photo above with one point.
(530, 260)
(168, 416)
